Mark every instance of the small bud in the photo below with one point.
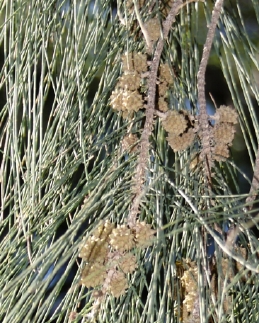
(144, 235)
(93, 276)
(175, 122)
(122, 239)
(226, 114)
(221, 152)
(181, 142)
(118, 284)
(128, 263)
(224, 133)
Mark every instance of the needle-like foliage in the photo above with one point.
(87, 92)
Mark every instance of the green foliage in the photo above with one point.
(63, 167)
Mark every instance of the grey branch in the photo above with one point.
(138, 179)
(206, 153)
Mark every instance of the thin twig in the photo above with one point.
(122, 20)
(143, 28)
(28, 240)
(150, 108)
(206, 153)
(206, 136)
(255, 184)
(224, 247)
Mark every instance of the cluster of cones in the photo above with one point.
(182, 130)
(108, 255)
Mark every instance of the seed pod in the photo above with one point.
(117, 100)
(224, 133)
(122, 239)
(221, 152)
(165, 74)
(189, 281)
(181, 142)
(162, 88)
(175, 123)
(144, 235)
(129, 81)
(162, 105)
(134, 62)
(129, 143)
(118, 284)
(93, 275)
(103, 230)
(94, 250)
(132, 101)
(153, 28)
(226, 114)
(128, 263)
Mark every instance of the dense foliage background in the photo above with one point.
(63, 166)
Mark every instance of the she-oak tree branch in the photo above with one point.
(206, 153)
(138, 180)
(148, 127)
